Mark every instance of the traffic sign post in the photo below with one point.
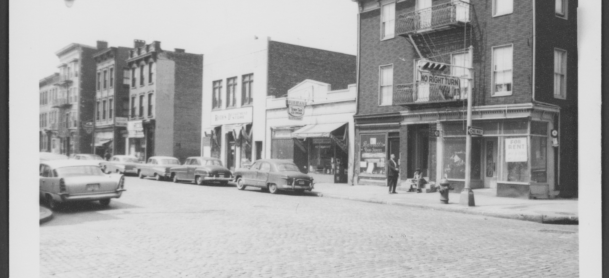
(474, 131)
(467, 195)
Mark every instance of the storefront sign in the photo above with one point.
(516, 149)
(232, 116)
(442, 80)
(322, 141)
(120, 121)
(88, 126)
(296, 108)
(135, 129)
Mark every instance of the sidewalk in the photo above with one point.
(555, 211)
(45, 214)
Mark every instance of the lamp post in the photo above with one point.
(467, 195)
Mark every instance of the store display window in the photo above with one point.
(373, 153)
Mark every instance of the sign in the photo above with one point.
(442, 80)
(135, 129)
(232, 116)
(554, 133)
(516, 149)
(322, 141)
(120, 121)
(471, 130)
(88, 126)
(436, 132)
(296, 108)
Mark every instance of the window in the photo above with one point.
(98, 108)
(501, 7)
(461, 62)
(265, 167)
(386, 85)
(68, 118)
(150, 73)
(231, 84)
(387, 21)
(104, 110)
(105, 79)
(99, 81)
(133, 107)
(133, 79)
(561, 8)
(141, 114)
(110, 108)
(217, 97)
(150, 104)
(560, 73)
(246, 89)
(502, 71)
(111, 77)
(142, 75)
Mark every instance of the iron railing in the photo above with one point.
(436, 17)
(421, 93)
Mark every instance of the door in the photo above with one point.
(230, 152)
(263, 174)
(190, 168)
(249, 176)
(46, 180)
(490, 162)
(424, 13)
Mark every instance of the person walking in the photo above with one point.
(392, 174)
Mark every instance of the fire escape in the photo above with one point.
(439, 34)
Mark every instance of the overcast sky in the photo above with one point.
(195, 25)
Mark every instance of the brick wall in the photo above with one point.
(291, 64)
(86, 99)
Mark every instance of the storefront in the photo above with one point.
(374, 150)
(104, 141)
(230, 137)
(140, 139)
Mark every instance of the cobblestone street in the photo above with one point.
(164, 229)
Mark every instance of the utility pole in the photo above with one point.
(467, 195)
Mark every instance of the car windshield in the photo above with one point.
(89, 157)
(76, 171)
(287, 167)
(129, 159)
(213, 163)
(169, 161)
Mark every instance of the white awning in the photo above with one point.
(102, 142)
(319, 130)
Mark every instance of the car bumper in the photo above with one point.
(66, 197)
(290, 187)
(217, 179)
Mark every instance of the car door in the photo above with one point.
(148, 171)
(46, 180)
(190, 170)
(181, 171)
(249, 175)
(262, 175)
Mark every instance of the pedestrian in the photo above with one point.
(392, 174)
(108, 154)
(418, 181)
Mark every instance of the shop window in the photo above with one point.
(373, 153)
(502, 70)
(386, 85)
(502, 7)
(539, 128)
(560, 73)
(454, 129)
(515, 127)
(282, 148)
(321, 156)
(488, 127)
(388, 21)
(516, 159)
(454, 158)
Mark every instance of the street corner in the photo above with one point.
(45, 214)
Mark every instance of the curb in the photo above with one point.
(45, 215)
(539, 218)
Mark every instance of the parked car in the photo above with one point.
(200, 170)
(273, 175)
(157, 167)
(121, 164)
(44, 156)
(63, 181)
(85, 156)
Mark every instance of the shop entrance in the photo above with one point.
(230, 151)
(489, 154)
(418, 150)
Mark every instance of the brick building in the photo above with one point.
(418, 59)
(164, 101)
(239, 77)
(111, 100)
(48, 115)
(75, 97)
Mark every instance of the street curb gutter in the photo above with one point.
(45, 215)
(540, 218)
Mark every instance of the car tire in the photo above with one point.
(53, 205)
(158, 177)
(240, 184)
(199, 180)
(140, 174)
(104, 202)
(272, 188)
(175, 178)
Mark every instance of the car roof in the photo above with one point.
(85, 154)
(162, 157)
(274, 160)
(52, 156)
(123, 155)
(68, 163)
(203, 157)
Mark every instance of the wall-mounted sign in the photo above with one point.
(554, 133)
(232, 116)
(296, 108)
(472, 130)
(516, 149)
(120, 121)
(322, 141)
(442, 80)
(135, 129)
(88, 126)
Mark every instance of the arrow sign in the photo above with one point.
(474, 131)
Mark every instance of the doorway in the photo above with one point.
(490, 162)
(418, 149)
(230, 151)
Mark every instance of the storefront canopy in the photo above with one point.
(102, 142)
(209, 131)
(319, 130)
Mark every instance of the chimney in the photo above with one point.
(138, 43)
(179, 50)
(157, 45)
(101, 45)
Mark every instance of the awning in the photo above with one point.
(319, 130)
(209, 131)
(102, 142)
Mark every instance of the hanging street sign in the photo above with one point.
(475, 131)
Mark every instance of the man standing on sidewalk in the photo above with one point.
(392, 174)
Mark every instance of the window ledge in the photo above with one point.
(502, 94)
(500, 15)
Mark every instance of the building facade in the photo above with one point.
(313, 126)
(239, 77)
(111, 101)
(418, 59)
(48, 117)
(75, 98)
(164, 101)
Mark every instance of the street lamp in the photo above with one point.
(467, 195)
(69, 3)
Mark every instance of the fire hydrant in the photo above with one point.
(443, 189)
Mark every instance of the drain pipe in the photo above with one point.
(357, 73)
